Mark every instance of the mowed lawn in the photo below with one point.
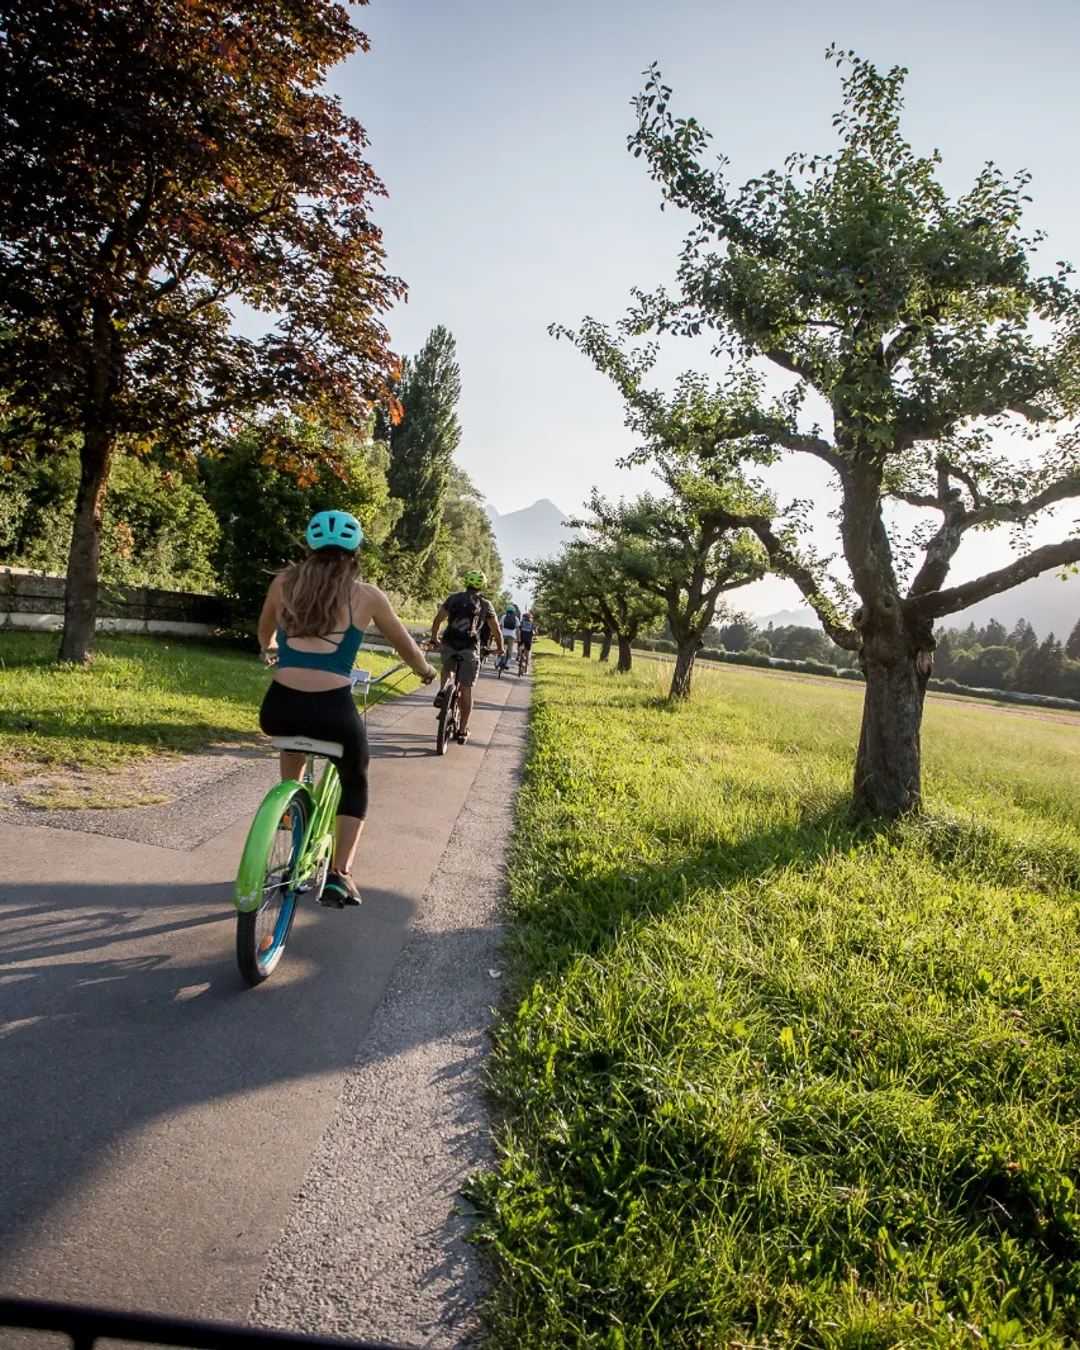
(768, 1075)
(139, 697)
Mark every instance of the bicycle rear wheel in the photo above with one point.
(445, 727)
(261, 933)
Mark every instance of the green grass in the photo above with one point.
(769, 1075)
(140, 697)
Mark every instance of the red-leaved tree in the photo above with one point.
(161, 163)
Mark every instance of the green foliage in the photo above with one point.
(992, 658)
(158, 529)
(422, 446)
(263, 510)
(916, 317)
(200, 165)
(770, 1074)
(684, 550)
(464, 542)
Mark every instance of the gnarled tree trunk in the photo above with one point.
(896, 660)
(626, 655)
(80, 594)
(686, 650)
(605, 647)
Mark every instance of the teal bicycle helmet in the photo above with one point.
(338, 529)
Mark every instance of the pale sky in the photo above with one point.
(499, 128)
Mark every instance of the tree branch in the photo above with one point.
(937, 603)
(1018, 512)
(918, 499)
(788, 564)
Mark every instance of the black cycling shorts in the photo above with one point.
(327, 715)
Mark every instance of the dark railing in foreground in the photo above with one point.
(85, 1325)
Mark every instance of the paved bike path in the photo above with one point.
(157, 1119)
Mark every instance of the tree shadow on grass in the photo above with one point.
(58, 723)
(585, 910)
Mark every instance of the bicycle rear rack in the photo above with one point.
(85, 1325)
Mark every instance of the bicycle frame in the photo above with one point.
(318, 838)
(318, 842)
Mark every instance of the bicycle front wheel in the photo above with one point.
(261, 933)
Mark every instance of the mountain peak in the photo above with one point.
(535, 531)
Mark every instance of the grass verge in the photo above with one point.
(770, 1075)
(140, 697)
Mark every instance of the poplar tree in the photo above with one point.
(422, 447)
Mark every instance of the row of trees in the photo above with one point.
(987, 657)
(992, 657)
(917, 321)
(234, 517)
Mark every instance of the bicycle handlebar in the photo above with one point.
(364, 677)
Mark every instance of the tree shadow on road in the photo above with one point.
(121, 1007)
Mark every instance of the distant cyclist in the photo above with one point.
(526, 629)
(466, 615)
(509, 625)
(314, 618)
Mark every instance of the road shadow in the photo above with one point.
(122, 1005)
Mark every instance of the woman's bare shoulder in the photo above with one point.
(369, 600)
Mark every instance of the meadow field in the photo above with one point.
(140, 697)
(768, 1074)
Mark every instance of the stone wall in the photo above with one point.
(35, 600)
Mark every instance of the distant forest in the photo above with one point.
(987, 657)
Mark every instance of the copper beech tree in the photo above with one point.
(161, 163)
(917, 319)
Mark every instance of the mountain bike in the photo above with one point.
(449, 708)
(289, 848)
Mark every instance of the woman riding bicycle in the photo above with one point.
(314, 619)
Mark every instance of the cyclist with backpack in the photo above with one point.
(466, 615)
(509, 627)
(526, 629)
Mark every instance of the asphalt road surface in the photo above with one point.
(173, 1142)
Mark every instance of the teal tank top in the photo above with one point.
(338, 661)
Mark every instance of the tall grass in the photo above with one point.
(770, 1075)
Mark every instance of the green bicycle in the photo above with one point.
(289, 849)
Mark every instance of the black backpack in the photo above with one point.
(464, 612)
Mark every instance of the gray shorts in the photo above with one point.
(468, 659)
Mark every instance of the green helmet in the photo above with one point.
(474, 581)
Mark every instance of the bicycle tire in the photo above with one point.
(259, 951)
(454, 721)
(442, 727)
